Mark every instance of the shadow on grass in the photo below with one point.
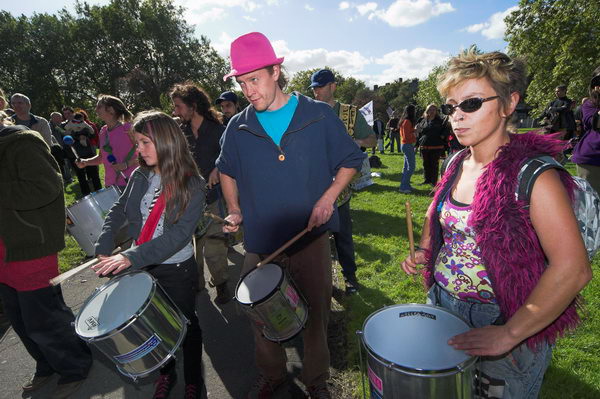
(370, 254)
(560, 383)
(397, 177)
(369, 222)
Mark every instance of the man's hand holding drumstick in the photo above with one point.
(417, 257)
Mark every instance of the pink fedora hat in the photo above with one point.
(250, 52)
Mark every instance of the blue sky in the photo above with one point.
(377, 41)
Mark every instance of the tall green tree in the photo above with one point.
(132, 49)
(428, 92)
(559, 39)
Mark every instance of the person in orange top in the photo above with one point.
(408, 141)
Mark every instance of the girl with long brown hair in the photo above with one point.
(163, 202)
(117, 152)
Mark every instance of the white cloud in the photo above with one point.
(347, 62)
(475, 28)
(308, 7)
(199, 17)
(366, 8)
(494, 27)
(198, 12)
(402, 13)
(223, 44)
(249, 18)
(408, 64)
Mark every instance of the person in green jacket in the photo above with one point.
(32, 227)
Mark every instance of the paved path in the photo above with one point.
(228, 352)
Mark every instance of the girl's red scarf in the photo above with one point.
(150, 226)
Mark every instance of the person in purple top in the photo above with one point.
(586, 153)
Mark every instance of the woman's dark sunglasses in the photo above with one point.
(469, 105)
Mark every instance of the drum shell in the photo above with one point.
(85, 218)
(158, 327)
(389, 380)
(282, 313)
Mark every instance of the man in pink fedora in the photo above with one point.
(284, 160)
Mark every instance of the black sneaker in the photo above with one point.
(164, 384)
(35, 382)
(223, 294)
(192, 391)
(351, 284)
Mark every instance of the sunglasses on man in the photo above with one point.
(469, 105)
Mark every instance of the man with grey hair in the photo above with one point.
(21, 104)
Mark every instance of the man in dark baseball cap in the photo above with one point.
(228, 101)
(321, 78)
(323, 86)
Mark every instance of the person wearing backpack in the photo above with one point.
(510, 267)
(586, 153)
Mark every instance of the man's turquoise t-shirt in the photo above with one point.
(276, 122)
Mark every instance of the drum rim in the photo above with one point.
(266, 297)
(127, 322)
(460, 367)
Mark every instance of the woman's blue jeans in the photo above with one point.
(515, 375)
(409, 165)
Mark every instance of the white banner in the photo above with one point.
(367, 111)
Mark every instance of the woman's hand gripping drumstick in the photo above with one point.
(416, 258)
(70, 273)
(282, 248)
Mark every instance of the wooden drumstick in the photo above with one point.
(217, 218)
(282, 248)
(70, 273)
(409, 226)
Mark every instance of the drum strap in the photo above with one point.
(152, 221)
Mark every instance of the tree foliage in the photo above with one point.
(354, 91)
(559, 41)
(428, 92)
(132, 49)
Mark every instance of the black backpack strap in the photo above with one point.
(530, 171)
(448, 161)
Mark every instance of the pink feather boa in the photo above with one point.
(509, 245)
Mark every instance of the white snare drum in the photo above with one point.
(270, 299)
(86, 217)
(133, 322)
(408, 355)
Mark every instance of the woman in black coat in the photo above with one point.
(432, 135)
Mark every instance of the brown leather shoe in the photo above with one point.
(63, 391)
(35, 382)
(223, 294)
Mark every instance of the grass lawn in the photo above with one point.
(381, 241)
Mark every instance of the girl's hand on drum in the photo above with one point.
(234, 218)
(485, 341)
(81, 164)
(114, 264)
(411, 267)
